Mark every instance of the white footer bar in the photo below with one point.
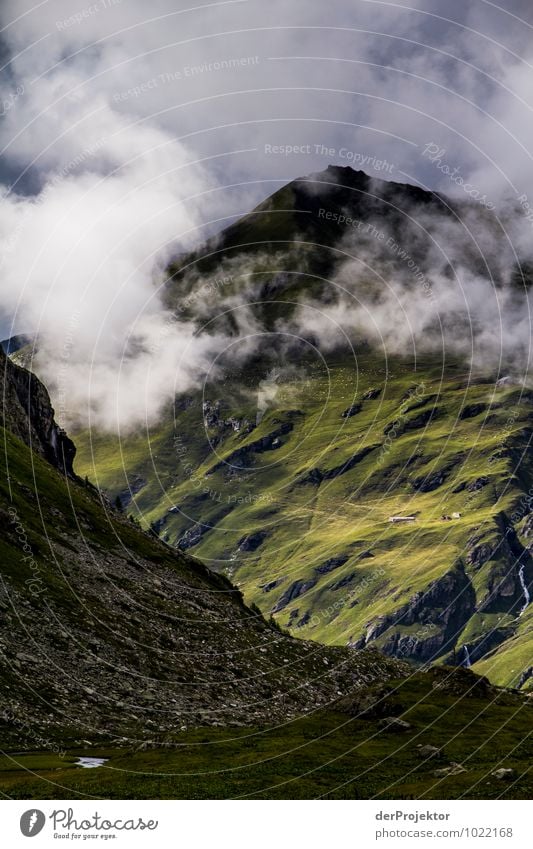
(266, 824)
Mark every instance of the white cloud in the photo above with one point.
(120, 97)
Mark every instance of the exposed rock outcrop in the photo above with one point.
(526, 676)
(403, 425)
(251, 542)
(342, 582)
(509, 559)
(440, 612)
(331, 564)
(472, 410)
(296, 589)
(126, 496)
(213, 418)
(194, 534)
(352, 410)
(243, 457)
(316, 476)
(26, 410)
(432, 480)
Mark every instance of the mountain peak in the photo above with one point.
(344, 172)
(348, 178)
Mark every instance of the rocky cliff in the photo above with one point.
(27, 411)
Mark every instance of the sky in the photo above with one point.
(129, 131)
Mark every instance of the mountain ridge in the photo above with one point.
(349, 453)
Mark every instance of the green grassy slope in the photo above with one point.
(455, 435)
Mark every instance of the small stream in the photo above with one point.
(91, 763)
(527, 597)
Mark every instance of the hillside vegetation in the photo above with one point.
(109, 634)
(284, 465)
(296, 509)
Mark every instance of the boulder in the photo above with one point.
(428, 751)
(503, 774)
(392, 723)
(372, 703)
(452, 769)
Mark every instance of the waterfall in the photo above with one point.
(466, 662)
(53, 439)
(527, 597)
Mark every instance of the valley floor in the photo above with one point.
(329, 754)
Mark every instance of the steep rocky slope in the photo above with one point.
(107, 633)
